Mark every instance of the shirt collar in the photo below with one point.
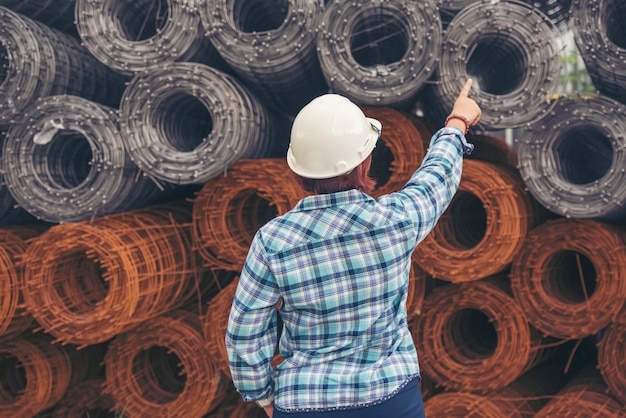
(322, 201)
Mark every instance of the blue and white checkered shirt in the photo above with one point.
(340, 264)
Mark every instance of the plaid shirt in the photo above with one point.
(340, 264)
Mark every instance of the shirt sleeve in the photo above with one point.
(431, 188)
(252, 327)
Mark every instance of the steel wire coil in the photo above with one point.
(163, 369)
(492, 149)
(134, 36)
(35, 375)
(38, 61)
(84, 400)
(474, 337)
(568, 277)
(53, 14)
(271, 45)
(229, 210)
(513, 55)
(67, 162)
(85, 282)
(483, 228)
(598, 28)
(186, 123)
(379, 53)
(612, 361)
(573, 160)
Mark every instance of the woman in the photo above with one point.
(339, 262)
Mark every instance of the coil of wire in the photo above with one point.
(67, 162)
(270, 45)
(186, 123)
(483, 228)
(474, 337)
(567, 277)
(133, 36)
(598, 27)
(379, 53)
(572, 161)
(88, 281)
(163, 369)
(36, 375)
(611, 359)
(56, 15)
(39, 61)
(513, 55)
(84, 399)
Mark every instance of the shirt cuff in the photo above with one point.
(265, 402)
(450, 130)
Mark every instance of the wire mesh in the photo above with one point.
(611, 359)
(163, 369)
(134, 36)
(572, 161)
(88, 281)
(185, 123)
(513, 55)
(492, 149)
(379, 53)
(270, 45)
(53, 14)
(84, 400)
(483, 228)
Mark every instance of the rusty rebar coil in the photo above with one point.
(134, 36)
(492, 149)
(612, 359)
(474, 337)
(38, 61)
(186, 123)
(35, 375)
(85, 282)
(229, 210)
(379, 53)
(67, 162)
(513, 55)
(53, 14)
(271, 45)
(568, 277)
(598, 27)
(572, 161)
(163, 369)
(483, 228)
(84, 400)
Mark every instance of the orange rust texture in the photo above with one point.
(163, 368)
(612, 359)
(84, 400)
(86, 282)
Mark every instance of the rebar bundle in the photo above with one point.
(35, 375)
(67, 162)
(85, 282)
(229, 210)
(483, 228)
(474, 337)
(38, 61)
(513, 55)
(162, 369)
(568, 277)
(134, 36)
(573, 160)
(612, 359)
(84, 400)
(270, 45)
(379, 53)
(185, 123)
(54, 14)
(598, 27)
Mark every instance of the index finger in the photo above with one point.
(466, 88)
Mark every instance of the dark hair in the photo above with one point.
(358, 178)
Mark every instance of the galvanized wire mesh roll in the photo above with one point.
(612, 359)
(59, 15)
(186, 123)
(84, 400)
(598, 27)
(379, 53)
(270, 45)
(38, 61)
(483, 228)
(513, 56)
(568, 277)
(163, 369)
(573, 160)
(67, 162)
(229, 210)
(557, 10)
(35, 375)
(474, 337)
(133, 36)
(85, 282)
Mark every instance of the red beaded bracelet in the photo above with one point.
(461, 118)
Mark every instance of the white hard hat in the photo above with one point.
(330, 136)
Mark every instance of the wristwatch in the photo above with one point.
(265, 402)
